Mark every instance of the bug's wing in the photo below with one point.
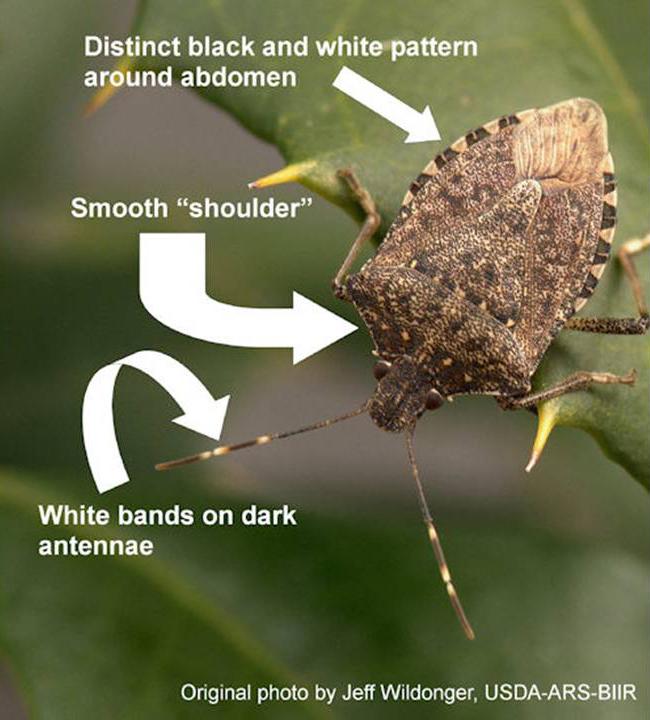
(484, 261)
(561, 249)
(568, 245)
(456, 187)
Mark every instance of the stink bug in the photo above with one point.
(499, 241)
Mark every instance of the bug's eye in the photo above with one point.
(381, 368)
(434, 400)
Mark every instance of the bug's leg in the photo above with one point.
(610, 326)
(578, 381)
(625, 255)
(368, 229)
(622, 326)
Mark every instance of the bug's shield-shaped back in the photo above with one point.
(514, 222)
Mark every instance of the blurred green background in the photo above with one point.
(552, 567)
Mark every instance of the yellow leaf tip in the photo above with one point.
(290, 173)
(105, 93)
(534, 457)
(545, 423)
(98, 100)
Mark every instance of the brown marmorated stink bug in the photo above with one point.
(499, 241)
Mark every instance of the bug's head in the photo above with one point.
(403, 393)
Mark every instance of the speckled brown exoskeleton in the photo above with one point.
(499, 241)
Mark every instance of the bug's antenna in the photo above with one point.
(435, 541)
(260, 440)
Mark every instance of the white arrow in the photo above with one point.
(172, 288)
(203, 413)
(420, 126)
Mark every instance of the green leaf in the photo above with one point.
(530, 55)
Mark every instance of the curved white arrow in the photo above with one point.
(420, 126)
(172, 288)
(203, 413)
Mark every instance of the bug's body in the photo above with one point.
(498, 242)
